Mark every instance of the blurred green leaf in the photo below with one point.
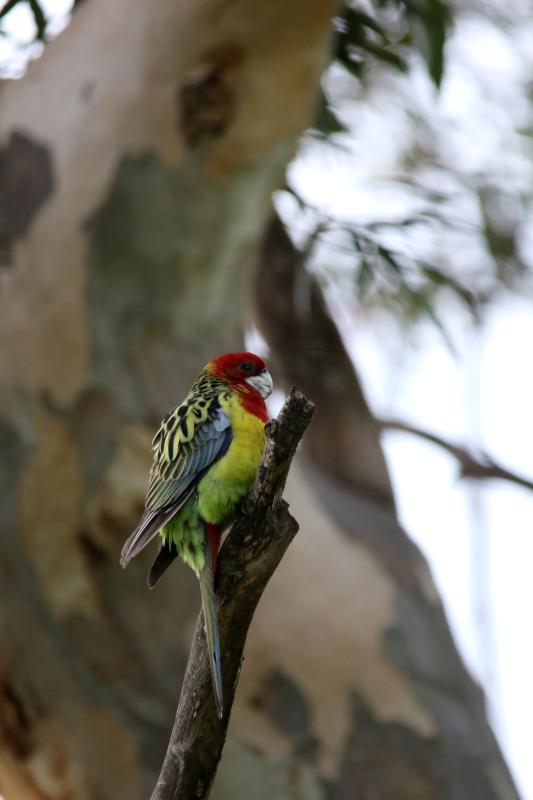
(407, 286)
(390, 259)
(326, 121)
(300, 201)
(428, 23)
(360, 35)
(386, 54)
(439, 279)
(9, 6)
(355, 21)
(424, 28)
(39, 19)
(364, 277)
(353, 65)
(38, 16)
(418, 303)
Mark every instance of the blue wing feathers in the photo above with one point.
(177, 469)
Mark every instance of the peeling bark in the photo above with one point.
(26, 180)
(162, 134)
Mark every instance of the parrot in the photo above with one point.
(206, 454)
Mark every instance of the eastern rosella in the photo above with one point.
(206, 454)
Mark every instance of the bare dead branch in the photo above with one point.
(471, 466)
(252, 551)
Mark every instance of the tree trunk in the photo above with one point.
(138, 161)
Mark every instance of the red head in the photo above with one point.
(245, 371)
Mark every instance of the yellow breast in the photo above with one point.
(232, 477)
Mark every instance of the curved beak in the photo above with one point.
(262, 383)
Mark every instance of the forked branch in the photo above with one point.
(252, 551)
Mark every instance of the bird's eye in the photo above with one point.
(247, 367)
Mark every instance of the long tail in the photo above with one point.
(146, 530)
(165, 557)
(150, 525)
(209, 605)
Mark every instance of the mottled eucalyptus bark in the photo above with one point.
(138, 158)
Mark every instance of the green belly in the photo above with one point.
(220, 490)
(186, 532)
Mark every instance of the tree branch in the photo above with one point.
(252, 551)
(478, 468)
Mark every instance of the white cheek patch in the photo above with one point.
(262, 383)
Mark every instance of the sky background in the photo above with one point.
(477, 537)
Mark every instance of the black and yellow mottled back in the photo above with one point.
(189, 440)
